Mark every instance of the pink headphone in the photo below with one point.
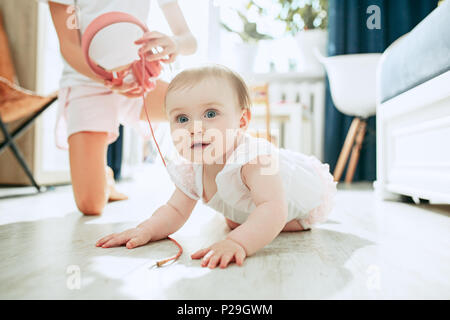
(145, 72)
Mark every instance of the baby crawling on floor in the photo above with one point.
(259, 188)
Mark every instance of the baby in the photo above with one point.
(260, 189)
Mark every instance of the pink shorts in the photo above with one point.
(96, 108)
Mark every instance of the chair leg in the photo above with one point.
(18, 155)
(21, 129)
(24, 165)
(345, 151)
(355, 152)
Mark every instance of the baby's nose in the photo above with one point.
(196, 127)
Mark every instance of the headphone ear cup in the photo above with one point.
(136, 68)
(153, 68)
(148, 77)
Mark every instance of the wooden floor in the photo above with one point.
(368, 250)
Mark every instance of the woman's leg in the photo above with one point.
(91, 178)
(155, 103)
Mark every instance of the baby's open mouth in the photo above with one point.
(200, 145)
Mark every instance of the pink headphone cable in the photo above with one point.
(180, 251)
(148, 118)
(150, 69)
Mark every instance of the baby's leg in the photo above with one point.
(92, 184)
(231, 224)
(292, 225)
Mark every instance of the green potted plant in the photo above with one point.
(249, 33)
(245, 51)
(307, 22)
(303, 15)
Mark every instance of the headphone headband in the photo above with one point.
(98, 24)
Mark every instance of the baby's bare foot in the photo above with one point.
(114, 195)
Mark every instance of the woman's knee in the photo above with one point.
(87, 152)
(90, 205)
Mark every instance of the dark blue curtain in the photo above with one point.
(348, 33)
(114, 155)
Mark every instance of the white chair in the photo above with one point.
(352, 80)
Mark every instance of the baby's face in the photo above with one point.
(205, 120)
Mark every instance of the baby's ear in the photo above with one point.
(246, 116)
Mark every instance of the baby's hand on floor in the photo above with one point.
(132, 238)
(224, 251)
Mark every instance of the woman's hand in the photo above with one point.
(224, 251)
(151, 40)
(132, 238)
(130, 90)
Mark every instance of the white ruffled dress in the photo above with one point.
(308, 184)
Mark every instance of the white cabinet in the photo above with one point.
(413, 148)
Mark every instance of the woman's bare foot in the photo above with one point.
(114, 195)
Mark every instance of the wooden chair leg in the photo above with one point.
(345, 152)
(355, 152)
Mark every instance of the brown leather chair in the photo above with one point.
(17, 103)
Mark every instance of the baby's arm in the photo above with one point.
(166, 220)
(169, 217)
(261, 227)
(270, 214)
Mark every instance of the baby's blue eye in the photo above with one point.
(211, 114)
(182, 119)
